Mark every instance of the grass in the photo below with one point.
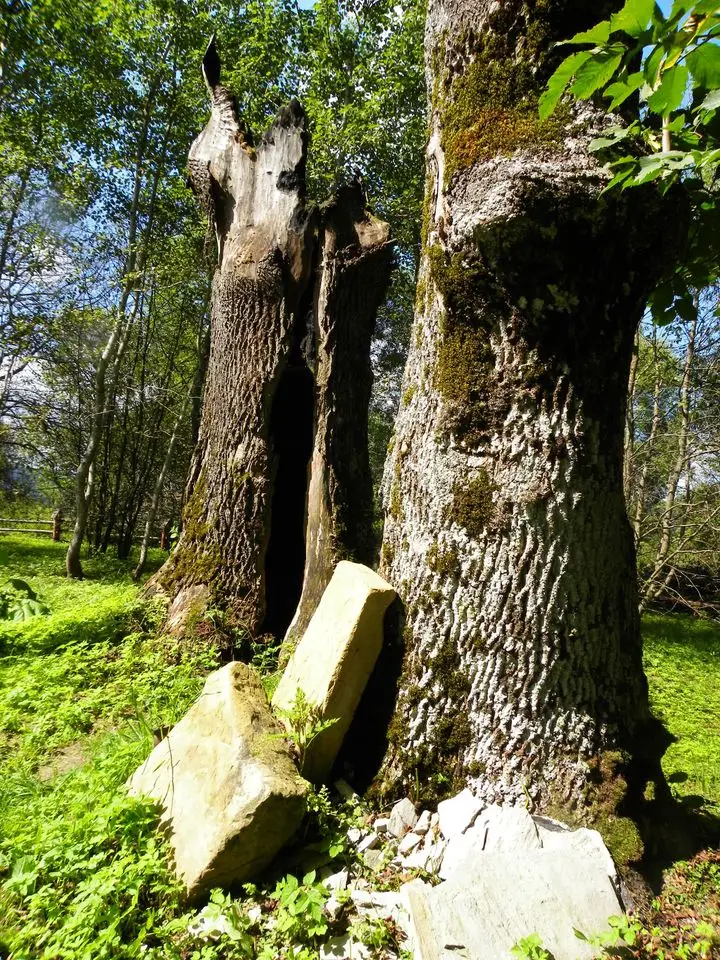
(682, 662)
(84, 872)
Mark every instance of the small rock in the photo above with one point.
(344, 948)
(434, 820)
(402, 818)
(333, 908)
(355, 835)
(458, 813)
(423, 824)
(369, 843)
(373, 859)
(346, 791)
(408, 843)
(255, 913)
(337, 881)
(381, 825)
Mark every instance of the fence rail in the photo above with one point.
(54, 528)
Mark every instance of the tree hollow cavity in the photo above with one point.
(292, 422)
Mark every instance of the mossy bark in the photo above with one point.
(271, 426)
(506, 534)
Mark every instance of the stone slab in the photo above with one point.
(508, 896)
(334, 659)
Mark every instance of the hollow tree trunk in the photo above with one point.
(506, 533)
(278, 318)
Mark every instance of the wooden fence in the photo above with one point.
(54, 528)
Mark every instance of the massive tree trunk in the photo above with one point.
(295, 290)
(506, 533)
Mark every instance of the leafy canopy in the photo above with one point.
(666, 68)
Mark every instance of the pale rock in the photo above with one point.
(376, 904)
(458, 813)
(334, 659)
(230, 794)
(497, 828)
(584, 842)
(255, 913)
(368, 843)
(381, 825)
(402, 818)
(435, 820)
(423, 823)
(408, 843)
(337, 881)
(355, 835)
(333, 908)
(485, 911)
(373, 859)
(344, 948)
(346, 791)
(428, 858)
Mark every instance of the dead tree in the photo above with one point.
(279, 485)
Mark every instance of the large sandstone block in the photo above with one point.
(334, 659)
(230, 793)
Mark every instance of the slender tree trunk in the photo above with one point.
(244, 523)
(659, 578)
(506, 533)
(157, 492)
(629, 454)
(639, 510)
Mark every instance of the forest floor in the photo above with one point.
(84, 873)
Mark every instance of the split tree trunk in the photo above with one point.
(506, 533)
(294, 299)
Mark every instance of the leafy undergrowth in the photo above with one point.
(682, 662)
(90, 609)
(84, 871)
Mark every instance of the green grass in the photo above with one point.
(84, 872)
(682, 662)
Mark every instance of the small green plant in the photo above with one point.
(19, 602)
(303, 724)
(300, 913)
(531, 948)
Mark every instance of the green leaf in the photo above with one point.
(652, 63)
(622, 89)
(669, 95)
(634, 18)
(559, 80)
(711, 101)
(600, 33)
(704, 65)
(595, 73)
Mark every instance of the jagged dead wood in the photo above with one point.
(506, 534)
(293, 306)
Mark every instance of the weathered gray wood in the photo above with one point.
(288, 380)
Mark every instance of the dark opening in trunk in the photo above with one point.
(291, 435)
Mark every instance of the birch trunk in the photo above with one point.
(506, 533)
(278, 319)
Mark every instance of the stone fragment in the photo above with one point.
(333, 661)
(584, 842)
(484, 912)
(337, 881)
(373, 859)
(344, 948)
(423, 823)
(458, 813)
(333, 907)
(402, 818)
(497, 828)
(346, 791)
(355, 835)
(381, 825)
(408, 843)
(368, 842)
(230, 794)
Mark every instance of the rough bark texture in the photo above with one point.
(506, 534)
(354, 269)
(277, 322)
